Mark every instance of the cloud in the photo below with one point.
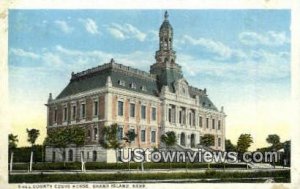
(78, 60)
(22, 53)
(216, 47)
(90, 25)
(126, 31)
(270, 38)
(266, 66)
(63, 26)
(116, 33)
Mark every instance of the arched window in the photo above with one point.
(64, 155)
(70, 155)
(166, 60)
(94, 155)
(53, 156)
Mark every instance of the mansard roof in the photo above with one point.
(121, 77)
(204, 101)
(144, 82)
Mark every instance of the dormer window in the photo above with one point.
(133, 85)
(183, 90)
(203, 104)
(121, 82)
(143, 88)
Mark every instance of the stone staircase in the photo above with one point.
(260, 166)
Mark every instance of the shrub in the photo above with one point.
(281, 175)
(102, 165)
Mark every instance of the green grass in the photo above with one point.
(280, 176)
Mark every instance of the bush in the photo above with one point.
(282, 176)
(22, 154)
(102, 165)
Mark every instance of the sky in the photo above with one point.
(242, 58)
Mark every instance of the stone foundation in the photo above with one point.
(91, 153)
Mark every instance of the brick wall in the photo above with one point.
(101, 107)
(114, 110)
(89, 109)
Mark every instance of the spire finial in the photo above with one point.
(166, 15)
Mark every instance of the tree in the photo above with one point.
(110, 139)
(129, 138)
(12, 144)
(12, 141)
(208, 140)
(244, 142)
(169, 139)
(274, 140)
(62, 137)
(229, 147)
(32, 135)
(287, 153)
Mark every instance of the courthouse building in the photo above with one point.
(150, 103)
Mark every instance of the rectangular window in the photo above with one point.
(73, 112)
(82, 110)
(207, 123)
(180, 116)
(143, 135)
(153, 114)
(173, 114)
(95, 108)
(190, 118)
(120, 133)
(153, 136)
(219, 125)
(133, 131)
(213, 124)
(200, 121)
(143, 112)
(95, 133)
(120, 108)
(219, 142)
(170, 115)
(55, 115)
(65, 113)
(184, 116)
(132, 110)
(193, 118)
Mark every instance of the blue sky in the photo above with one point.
(242, 57)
